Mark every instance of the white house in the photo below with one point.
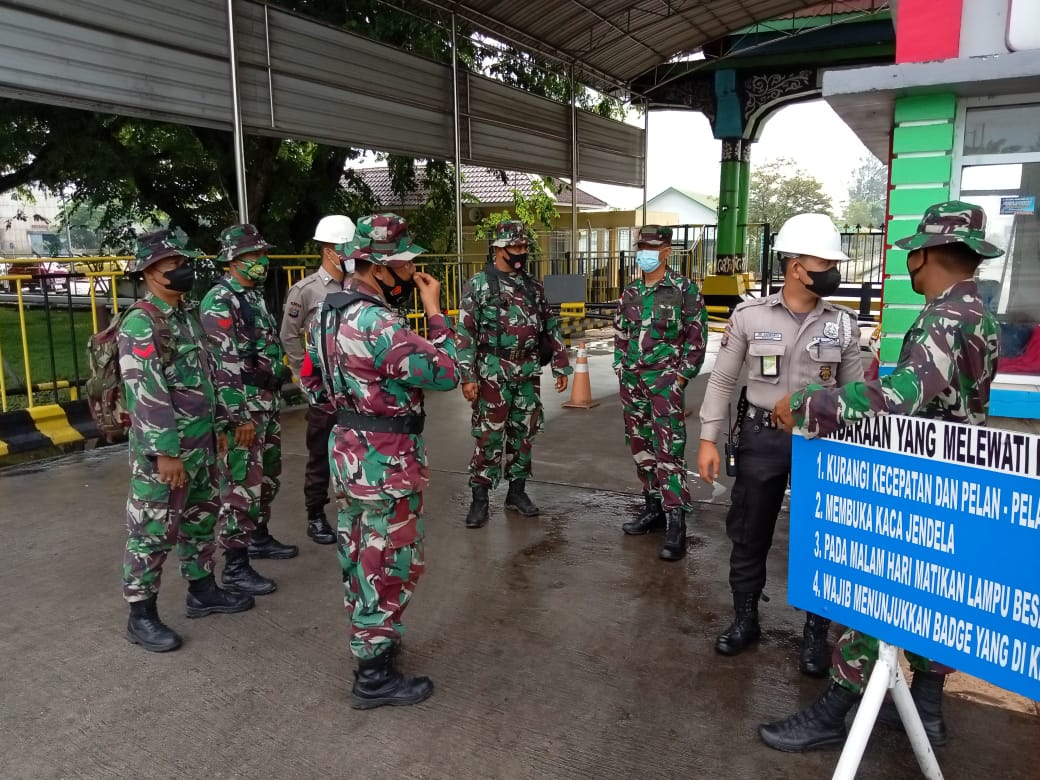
(693, 208)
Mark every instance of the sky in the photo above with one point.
(682, 153)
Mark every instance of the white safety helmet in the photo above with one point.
(810, 234)
(334, 229)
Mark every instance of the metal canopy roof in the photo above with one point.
(617, 40)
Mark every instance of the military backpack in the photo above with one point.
(106, 395)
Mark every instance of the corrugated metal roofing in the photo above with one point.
(486, 185)
(618, 39)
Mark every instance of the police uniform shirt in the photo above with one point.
(783, 352)
(300, 307)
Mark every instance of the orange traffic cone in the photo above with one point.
(581, 390)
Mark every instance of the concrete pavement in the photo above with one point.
(559, 647)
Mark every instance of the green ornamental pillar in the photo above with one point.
(729, 247)
(744, 166)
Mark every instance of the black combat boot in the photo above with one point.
(478, 509)
(263, 545)
(377, 682)
(744, 629)
(822, 724)
(318, 527)
(518, 499)
(205, 598)
(816, 653)
(144, 628)
(651, 518)
(926, 689)
(240, 577)
(674, 546)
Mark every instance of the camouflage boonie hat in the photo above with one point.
(158, 245)
(952, 222)
(510, 233)
(654, 235)
(382, 239)
(240, 240)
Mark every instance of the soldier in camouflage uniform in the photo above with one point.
(249, 378)
(504, 319)
(174, 414)
(944, 372)
(660, 332)
(375, 370)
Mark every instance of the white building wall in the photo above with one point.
(690, 212)
(40, 217)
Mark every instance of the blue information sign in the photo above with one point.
(926, 535)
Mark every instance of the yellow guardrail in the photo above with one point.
(44, 305)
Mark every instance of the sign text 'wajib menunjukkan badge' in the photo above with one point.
(926, 535)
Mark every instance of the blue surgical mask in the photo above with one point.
(648, 260)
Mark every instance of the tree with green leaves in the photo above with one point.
(868, 193)
(780, 189)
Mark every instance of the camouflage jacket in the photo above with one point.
(499, 338)
(661, 329)
(945, 370)
(173, 407)
(249, 359)
(379, 368)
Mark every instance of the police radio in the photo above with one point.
(733, 439)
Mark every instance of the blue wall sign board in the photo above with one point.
(1017, 205)
(926, 535)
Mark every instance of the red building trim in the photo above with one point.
(928, 30)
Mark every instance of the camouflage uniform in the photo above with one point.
(498, 344)
(249, 377)
(166, 373)
(375, 371)
(944, 372)
(945, 369)
(173, 411)
(660, 334)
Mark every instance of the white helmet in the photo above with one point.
(334, 229)
(810, 234)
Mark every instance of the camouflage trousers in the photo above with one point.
(381, 554)
(655, 430)
(506, 417)
(158, 517)
(855, 655)
(250, 481)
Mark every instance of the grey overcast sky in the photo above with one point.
(683, 154)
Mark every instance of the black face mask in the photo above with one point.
(824, 283)
(397, 294)
(915, 272)
(180, 279)
(518, 262)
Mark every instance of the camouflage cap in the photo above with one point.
(511, 233)
(382, 239)
(654, 235)
(952, 222)
(240, 240)
(158, 245)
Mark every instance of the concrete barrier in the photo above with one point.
(53, 425)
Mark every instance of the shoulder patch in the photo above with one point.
(294, 310)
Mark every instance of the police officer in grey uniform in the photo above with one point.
(786, 340)
(300, 307)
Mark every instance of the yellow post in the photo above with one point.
(25, 341)
(93, 302)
